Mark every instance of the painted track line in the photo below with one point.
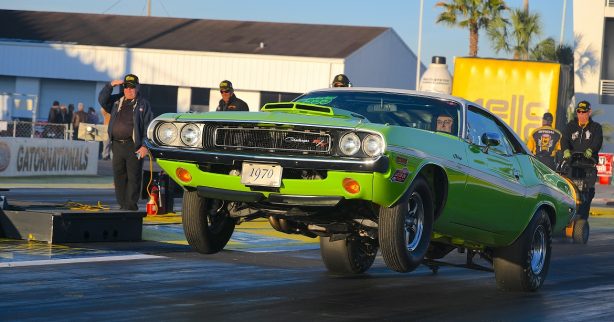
(78, 260)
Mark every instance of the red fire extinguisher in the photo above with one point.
(152, 204)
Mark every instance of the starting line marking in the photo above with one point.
(77, 260)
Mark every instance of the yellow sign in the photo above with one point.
(519, 92)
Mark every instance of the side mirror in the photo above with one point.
(490, 139)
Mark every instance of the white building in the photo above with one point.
(594, 59)
(180, 62)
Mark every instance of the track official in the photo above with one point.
(545, 142)
(341, 80)
(584, 135)
(130, 116)
(229, 101)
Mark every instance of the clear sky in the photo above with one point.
(401, 15)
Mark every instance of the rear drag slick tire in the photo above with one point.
(351, 255)
(207, 230)
(523, 265)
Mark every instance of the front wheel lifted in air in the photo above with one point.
(405, 229)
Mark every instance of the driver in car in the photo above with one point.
(444, 123)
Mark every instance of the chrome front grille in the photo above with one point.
(271, 139)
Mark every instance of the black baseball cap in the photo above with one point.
(341, 81)
(548, 117)
(226, 85)
(131, 80)
(583, 106)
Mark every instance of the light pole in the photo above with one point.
(419, 45)
(563, 22)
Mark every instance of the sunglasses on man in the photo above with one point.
(581, 112)
(225, 92)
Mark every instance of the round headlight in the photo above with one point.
(373, 145)
(190, 135)
(349, 144)
(166, 133)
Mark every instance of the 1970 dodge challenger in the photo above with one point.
(366, 169)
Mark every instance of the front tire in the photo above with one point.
(405, 229)
(523, 266)
(347, 256)
(207, 226)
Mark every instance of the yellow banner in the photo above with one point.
(519, 92)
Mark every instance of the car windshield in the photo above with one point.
(425, 113)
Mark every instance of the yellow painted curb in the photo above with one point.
(170, 218)
(602, 212)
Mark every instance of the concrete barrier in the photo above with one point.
(21, 157)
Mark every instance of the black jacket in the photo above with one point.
(234, 104)
(577, 138)
(142, 114)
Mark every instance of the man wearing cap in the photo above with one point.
(130, 116)
(584, 135)
(545, 142)
(229, 101)
(341, 81)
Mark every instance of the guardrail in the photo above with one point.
(24, 129)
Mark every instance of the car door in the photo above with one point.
(494, 190)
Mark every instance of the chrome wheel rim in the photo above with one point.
(538, 250)
(414, 222)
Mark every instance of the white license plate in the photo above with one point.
(261, 174)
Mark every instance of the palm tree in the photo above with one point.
(548, 50)
(472, 14)
(516, 37)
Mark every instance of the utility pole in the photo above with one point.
(148, 8)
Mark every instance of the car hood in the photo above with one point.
(280, 113)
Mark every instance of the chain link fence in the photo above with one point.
(24, 129)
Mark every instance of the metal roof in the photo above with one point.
(244, 37)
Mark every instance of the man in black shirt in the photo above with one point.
(130, 116)
(584, 135)
(229, 101)
(545, 142)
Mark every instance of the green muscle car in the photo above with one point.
(412, 174)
